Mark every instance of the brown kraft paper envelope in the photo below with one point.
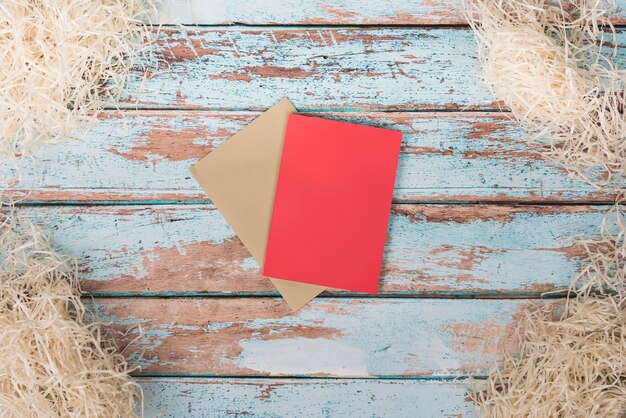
(240, 178)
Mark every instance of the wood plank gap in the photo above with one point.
(142, 375)
(467, 109)
(235, 25)
(180, 202)
(486, 295)
(185, 111)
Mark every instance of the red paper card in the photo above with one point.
(332, 204)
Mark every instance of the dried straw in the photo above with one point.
(62, 61)
(568, 366)
(52, 361)
(55, 58)
(604, 260)
(551, 64)
(572, 360)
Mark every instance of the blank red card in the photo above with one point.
(332, 204)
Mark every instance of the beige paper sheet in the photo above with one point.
(240, 178)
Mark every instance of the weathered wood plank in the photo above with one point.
(328, 338)
(432, 249)
(318, 12)
(201, 397)
(344, 69)
(319, 69)
(146, 155)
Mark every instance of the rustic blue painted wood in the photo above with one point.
(237, 338)
(294, 12)
(329, 337)
(345, 12)
(345, 69)
(198, 398)
(454, 249)
(318, 68)
(445, 157)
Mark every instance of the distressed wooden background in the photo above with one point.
(478, 228)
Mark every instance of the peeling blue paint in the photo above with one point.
(305, 398)
(328, 337)
(445, 157)
(483, 255)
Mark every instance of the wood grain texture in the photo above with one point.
(433, 249)
(202, 397)
(244, 347)
(393, 345)
(327, 338)
(316, 12)
(343, 69)
(145, 156)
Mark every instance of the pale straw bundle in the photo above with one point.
(571, 365)
(52, 361)
(604, 259)
(61, 62)
(551, 65)
(548, 62)
(572, 360)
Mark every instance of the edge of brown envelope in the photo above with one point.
(240, 178)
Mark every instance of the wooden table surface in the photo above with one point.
(478, 228)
